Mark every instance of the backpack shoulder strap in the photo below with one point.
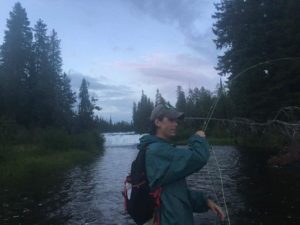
(138, 167)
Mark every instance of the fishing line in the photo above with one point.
(262, 63)
(241, 73)
(211, 112)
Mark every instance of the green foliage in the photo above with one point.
(22, 163)
(35, 95)
(141, 114)
(159, 98)
(181, 100)
(34, 91)
(253, 32)
(108, 126)
(197, 104)
(86, 107)
(51, 138)
(216, 136)
(26, 154)
(15, 61)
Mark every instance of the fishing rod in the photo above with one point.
(213, 107)
(237, 76)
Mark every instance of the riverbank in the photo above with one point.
(21, 163)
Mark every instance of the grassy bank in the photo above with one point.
(45, 154)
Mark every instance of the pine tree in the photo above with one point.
(54, 54)
(252, 32)
(15, 64)
(159, 99)
(224, 105)
(66, 102)
(198, 102)
(141, 114)
(43, 79)
(63, 97)
(181, 101)
(86, 107)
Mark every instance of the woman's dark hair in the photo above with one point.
(153, 127)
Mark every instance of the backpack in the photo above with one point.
(140, 203)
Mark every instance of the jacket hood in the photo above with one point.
(149, 139)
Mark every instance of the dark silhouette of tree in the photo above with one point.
(253, 32)
(66, 101)
(44, 93)
(159, 99)
(141, 114)
(15, 64)
(86, 107)
(181, 101)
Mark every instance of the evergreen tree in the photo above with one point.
(67, 98)
(159, 99)
(54, 54)
(224, 105)
(141, 114)
(134, 115)
(252, 32)
(43, 79)
(181, 101)
(63, 97)
(199, 102)
(15, 64)
(86, 107)
(110, 122)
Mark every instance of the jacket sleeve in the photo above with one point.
(199, 201)
(166, 164)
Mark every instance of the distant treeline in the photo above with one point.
(196, 103)
(109, 126)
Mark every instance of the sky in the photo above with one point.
(125, 46)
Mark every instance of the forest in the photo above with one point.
(44, 124)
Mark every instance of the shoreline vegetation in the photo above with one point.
(49, 152)
(45, 127)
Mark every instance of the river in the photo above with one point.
(91, 193)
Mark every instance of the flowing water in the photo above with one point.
(91, 193)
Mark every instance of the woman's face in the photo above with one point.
(166, 127)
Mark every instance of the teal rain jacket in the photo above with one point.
(167, 167)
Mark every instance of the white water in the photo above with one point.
(121, 139)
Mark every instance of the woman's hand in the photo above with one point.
(216, 209)
(200, 133)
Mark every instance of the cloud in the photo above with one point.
(96, 85)
(76, 79)
(180, 69)
(192, 18)
(101, 90)
(118, 109)
(115, 100)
